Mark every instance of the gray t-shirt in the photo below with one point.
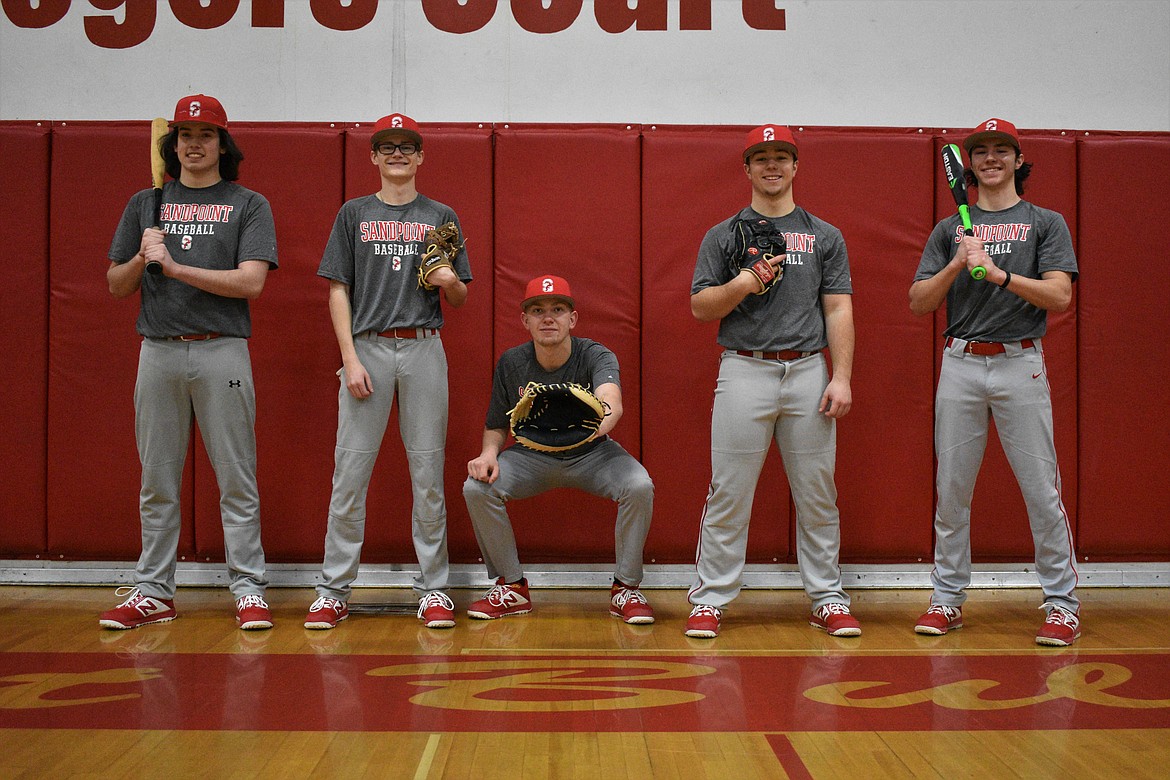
(375, 249)
(790, 316)
(590, 365)
(215, 227)
(1026, 240)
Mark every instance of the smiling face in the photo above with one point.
(771, 171)
(392, 162)
(198, 148)
(549, 321)
(995, 163)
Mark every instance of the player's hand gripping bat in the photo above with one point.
(953, 166)
(158, 169)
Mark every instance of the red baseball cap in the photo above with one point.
(547, 287)
(993, 130)
(200, 108)
(395, 124)
(768, 135)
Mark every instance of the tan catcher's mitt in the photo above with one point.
(556, 417)
(442, 246)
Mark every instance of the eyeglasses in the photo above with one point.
(388, 149)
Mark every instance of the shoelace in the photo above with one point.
(1059, 616)
(625, 595)
(497, 595)
(833, 608)
(324, 602)
(945, 611)
(251, 600)
(704, 609)
(434, 599)
(130, 592)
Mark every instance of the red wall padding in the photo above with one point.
(93, 469)
(24, 321)
(294, 353)
(619, 211)
(1124, 355)
(567, 203)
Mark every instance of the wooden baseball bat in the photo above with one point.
(158, 170)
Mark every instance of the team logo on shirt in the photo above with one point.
(193, 219)
(997, 238)
(393, 238)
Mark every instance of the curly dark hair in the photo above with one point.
(1022, 174)
(229, 159)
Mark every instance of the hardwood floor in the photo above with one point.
(567, 691)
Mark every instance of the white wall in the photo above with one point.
(1056, 64)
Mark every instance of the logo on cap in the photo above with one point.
(769, 134)
(396, 122)
(546, 285)
(194, 108)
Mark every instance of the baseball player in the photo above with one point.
(387, 326)
(215, 247)
(993, 362)
(600, 466)
(777, 313)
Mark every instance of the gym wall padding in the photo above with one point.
(24, 322)
(618, 210)
(567, 203)
(1124, 353)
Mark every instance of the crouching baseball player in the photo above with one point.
(543, 458)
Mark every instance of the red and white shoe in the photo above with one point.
(436, 610)
(501, 601)
(939, 619)
(1061, 628)
(252, 613)
(326, 613)
(630, 605)
(835, 618)
(703, 622)
(137, 610)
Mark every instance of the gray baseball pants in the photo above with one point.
(416, 371)
(607, 470)
(1013, 388)
(756, 402)
(210, 382)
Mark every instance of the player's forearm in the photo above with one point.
(124, 279)
(1053, 292)
(841, 335)
(926, 295)
(493, 441)
(610, 396)
(341, 315)
(246, 281)
(455, 293)
(715, 303)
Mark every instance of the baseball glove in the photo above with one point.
(442, 246)
(757, 245)
(556, 417)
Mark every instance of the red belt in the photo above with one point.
(194, 337)
(784, 354)
(990, 347)
(409, 333)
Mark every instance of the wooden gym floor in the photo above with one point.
(569, 692)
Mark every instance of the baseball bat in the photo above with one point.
(957, 183)
(158, 170)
